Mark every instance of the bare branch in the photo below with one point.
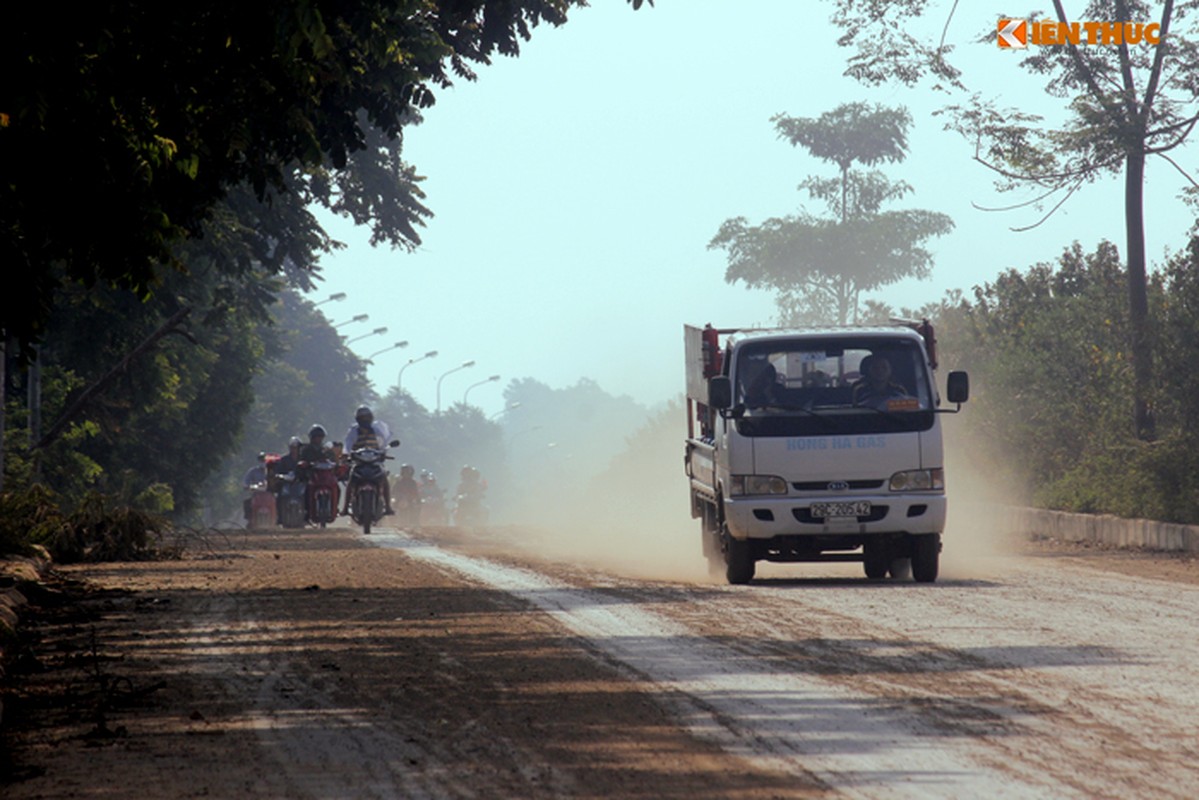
(1045, 180)
(1189, 124)
(1129, 90)
(1158, 58)
(1084, 72)
(1181, 171)
(1078, 184)
(1015, 206)
(945, 30)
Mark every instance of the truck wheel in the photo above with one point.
(739, 562)
(876, 558)
(926, 557)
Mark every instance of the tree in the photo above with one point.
(1127, 102)
(170, 412)
(123, 125)
(821, 265)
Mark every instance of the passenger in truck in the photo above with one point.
(876, 388)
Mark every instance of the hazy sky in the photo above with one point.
(576, 188)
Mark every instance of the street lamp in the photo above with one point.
(395, 346)
(375, 332)
(359, 318)
(333, 298)
(492, 379)
(464, 365)
(505, 410)
(411, 361)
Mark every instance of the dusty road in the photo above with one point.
(328, 665)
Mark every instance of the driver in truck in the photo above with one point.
(761, 384)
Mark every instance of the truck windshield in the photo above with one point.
(797, 387)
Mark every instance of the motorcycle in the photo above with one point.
(405, 495)
(366, 484)
(323, 491)
(469, 510)
(291, 500)
(261, 508)
(433, 503)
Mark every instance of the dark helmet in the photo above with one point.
(407, 470)
(262, 455)
(315, 431)
(364, 413)
(295, 441)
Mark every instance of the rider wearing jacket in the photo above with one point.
(368, 432)
(316, 449)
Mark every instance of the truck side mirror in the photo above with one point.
(720, 392)
(958, 387)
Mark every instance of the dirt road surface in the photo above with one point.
(328, 665)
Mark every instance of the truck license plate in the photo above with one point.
(859, 508)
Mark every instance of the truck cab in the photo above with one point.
(818, 445)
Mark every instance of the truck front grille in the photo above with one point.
(822, 486)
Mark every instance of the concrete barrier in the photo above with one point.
(1103, 529)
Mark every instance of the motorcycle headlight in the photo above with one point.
(757, 484)
(918, 480)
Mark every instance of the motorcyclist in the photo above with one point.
(286, 464)
(432, 498)
(316, 449)
(254, 476)
(407, 494)
(368, 432)
(469, 496)
(471, 481)
(291, 461)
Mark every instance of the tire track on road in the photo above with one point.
(801, 724)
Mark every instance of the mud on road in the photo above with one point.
(312, 665)
(318, 664)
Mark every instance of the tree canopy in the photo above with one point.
(123, 125)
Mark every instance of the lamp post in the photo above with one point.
(333, 298)
(505, 410)
(411, 361)
(358, 318)
(463, 366)
(375, 332)
(492, 379)
(395, 346)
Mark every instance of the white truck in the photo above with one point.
(818, 445)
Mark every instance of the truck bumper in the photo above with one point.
(767, 517)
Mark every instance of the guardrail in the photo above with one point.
(1103, 529)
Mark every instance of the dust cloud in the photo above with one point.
(632, 518)
(981, 488)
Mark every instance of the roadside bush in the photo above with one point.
(27, 518)
(95, 530)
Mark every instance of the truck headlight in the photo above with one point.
(757, 484)
(918, 480)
